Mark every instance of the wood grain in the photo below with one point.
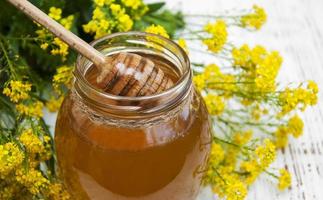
(295, 28)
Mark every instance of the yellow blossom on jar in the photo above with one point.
(219, 34)
(295, 126)
(31, 142)
(33, 109)
(255, 19)
(266, 153)
(55, 13)
(32, 179)
(10, 158)
(214, 104)
(17, 91)
(284, 180)
(157, 29)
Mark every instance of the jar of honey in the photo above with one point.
(133, 148)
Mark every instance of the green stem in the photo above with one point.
(6, 56)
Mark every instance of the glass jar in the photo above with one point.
(130, 148)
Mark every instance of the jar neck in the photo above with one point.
(135, 107)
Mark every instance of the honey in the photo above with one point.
(136, 156)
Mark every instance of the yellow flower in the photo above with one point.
(44, 46)
(235, 189)
(311, 85)
(281, 139)
(219, 34)
(57, 47)
(33, 109)
(267, 71)
(133, 4)
(255, 19)
(291, 99)
(214, 104)
(62, 48)
(212, 71)
(266, 153)
(284, 180)
(216, 80)
(103, 2)
(63, 76)
(32, 179)
(67, 22)
(216, 155)
(199, 82)
(55, 13)
(56, 191)
(182, 43)
(10, 158)
(125, 22)
(54, 104)
(31, 142)
(242, 138)
(157, 29)
(98, 13)
(252, 169)
(295, 126)
(17, 91)
(241, 57)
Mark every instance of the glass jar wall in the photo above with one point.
(128, 148)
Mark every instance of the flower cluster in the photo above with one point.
(259, 66)
(48, 41)
(108, 17)
(254, 20)
(219, 35)
(20, 173)
(17, 91)
(251, 117)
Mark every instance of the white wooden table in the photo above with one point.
(295, 28)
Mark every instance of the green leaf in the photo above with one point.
(153, 7)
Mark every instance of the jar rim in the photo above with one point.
(186, 73)
(185, 80)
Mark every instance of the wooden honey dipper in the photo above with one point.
(126, 74)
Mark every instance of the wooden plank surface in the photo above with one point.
(295, 28)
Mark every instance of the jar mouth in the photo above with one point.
(134, 38)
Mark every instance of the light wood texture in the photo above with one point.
(295, 28)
